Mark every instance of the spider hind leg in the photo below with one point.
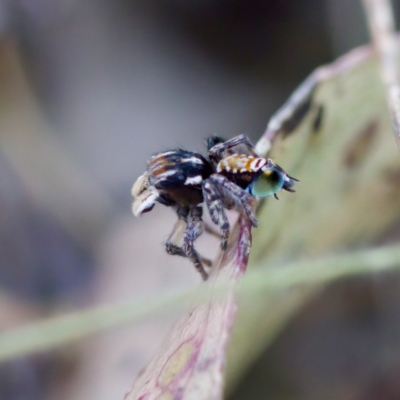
(186, 230)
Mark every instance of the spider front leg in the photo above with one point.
(212, 197)
(211, 230)
(234, 194)
(219, 193)
(240, 144)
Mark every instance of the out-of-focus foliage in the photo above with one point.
(88, 91)
(343, 152)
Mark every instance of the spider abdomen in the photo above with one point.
(177, 175)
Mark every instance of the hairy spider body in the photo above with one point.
(231, 178)
(177, 175)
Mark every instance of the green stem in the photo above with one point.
(56, 331)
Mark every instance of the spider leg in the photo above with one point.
(240, 144)
(172, 244)
(175, 250)
(211, 230)
(232, 193)
(212, 197)
(187, 229)
(193, 231)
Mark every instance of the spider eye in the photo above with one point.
(269, 182)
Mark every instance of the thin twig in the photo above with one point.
(381, 24)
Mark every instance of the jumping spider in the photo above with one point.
(232, 176)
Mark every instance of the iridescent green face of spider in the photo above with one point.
(271, 181)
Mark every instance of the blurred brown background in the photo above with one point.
(88, 90)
